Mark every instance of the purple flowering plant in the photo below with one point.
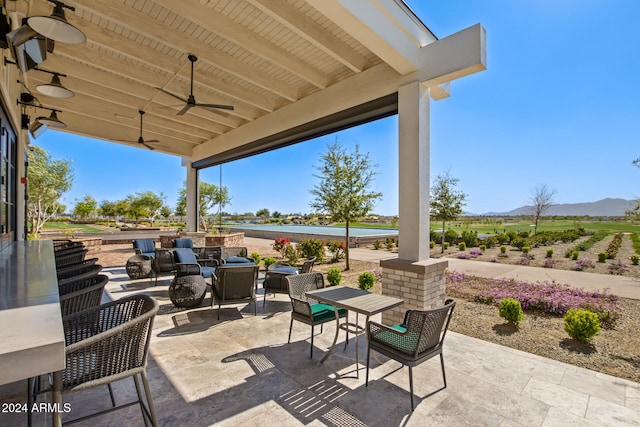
(547, 297)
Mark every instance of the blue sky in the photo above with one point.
(558, 105)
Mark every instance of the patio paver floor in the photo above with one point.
(240, 371)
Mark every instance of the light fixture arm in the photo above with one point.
(55, 73)
(58, 3)
(28, 104)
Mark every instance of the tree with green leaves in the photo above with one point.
(263, 213)
(541, 200)
(85, 207)
(108, 210)
(446, 202)
(344, 192)
(209, 196)
(48, 180)
(146, 204)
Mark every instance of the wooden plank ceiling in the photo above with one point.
(255, 55)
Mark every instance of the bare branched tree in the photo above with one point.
(541, 200)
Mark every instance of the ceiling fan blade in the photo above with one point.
(151, 140)
(171, 94)
(184, 109)
(221, 107)
(124, 140)
(147, 145)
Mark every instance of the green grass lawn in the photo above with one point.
(66, 226)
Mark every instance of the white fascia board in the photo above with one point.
(456, 56)
(371, 84)
(382, 26)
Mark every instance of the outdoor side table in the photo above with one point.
(139, 266)
(187, 291)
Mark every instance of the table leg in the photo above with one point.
(335, 338)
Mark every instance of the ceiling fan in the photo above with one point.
(140, 139)
(191, 100)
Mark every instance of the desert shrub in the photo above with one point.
(483, 248)
(268, 261)
(291, 254)
(549, 263)
(614, 246)
(635, 240)
(309, 248)
(525, 250)
(602, 256)
(281, 244)
(512, 235)
(432, 244)
(550, 253)
(337, 250)
(490, 242)
(377, 245)
(255, 256)
(587, 244)
(523, 234)
(493, 259)
(519, 242)
(366, 280)
(469, 238)
(388, 243)
(451, 236)
(618, 268)
(446, 245)
(574, 255)
(462, 246)
(334, 276)
(581, 325)
(511, 310)
(635, 259)
(503, 238)
(524, 260)
(503, 249)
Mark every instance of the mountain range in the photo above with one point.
(604, 207)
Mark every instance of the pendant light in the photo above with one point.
(55, 89)
(56, 27)
(52, 121)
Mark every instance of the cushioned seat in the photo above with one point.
(183, 243)
(187, 263)
(145, 247)
(238, 260)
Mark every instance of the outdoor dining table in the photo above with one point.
(356, 300)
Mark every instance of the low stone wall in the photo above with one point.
(230, 239)
(354, 242)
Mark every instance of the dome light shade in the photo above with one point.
(55, 89)
(52, 121)
(56, 27)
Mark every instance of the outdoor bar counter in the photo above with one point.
(31, 333)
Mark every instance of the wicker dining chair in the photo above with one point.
(81, 294)
(234, 284)
(305, 310)
(70, 257)
(86, 268)
(417, 339)
(106, 344)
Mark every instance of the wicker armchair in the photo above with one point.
(414, 341)
(106, 344)
(305, 311)
(234, 284)
(81, 294)
(187, 264)
(183, 243)
(78, 271)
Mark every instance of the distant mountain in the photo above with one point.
(604, 207)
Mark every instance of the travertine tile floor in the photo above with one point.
(240, 371)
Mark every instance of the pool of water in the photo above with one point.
(317, 230)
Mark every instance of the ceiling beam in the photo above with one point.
(142, 24)
(311, 31)
(381, 27)
(244, 37)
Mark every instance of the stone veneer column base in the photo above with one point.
(421, 284)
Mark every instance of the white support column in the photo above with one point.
(192, 197)
(413, 150)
